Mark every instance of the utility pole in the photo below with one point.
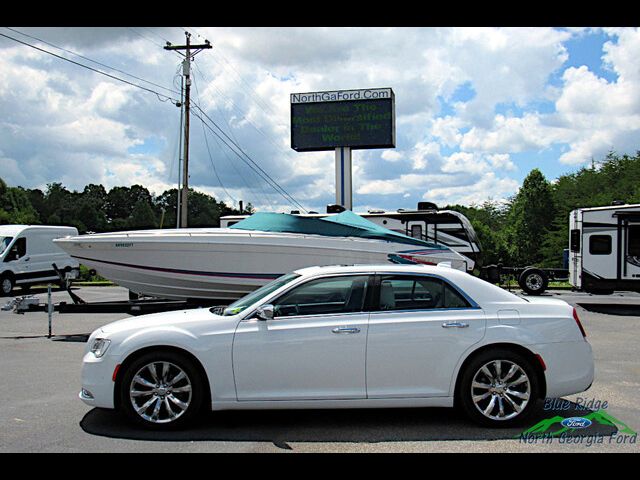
(190, 52)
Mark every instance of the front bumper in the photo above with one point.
(97, 381)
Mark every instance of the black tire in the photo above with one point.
(7, 283)
(473, 370)
(194, 398)
(533, 281)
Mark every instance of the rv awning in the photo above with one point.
(345, 224)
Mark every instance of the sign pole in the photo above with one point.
(344, 195)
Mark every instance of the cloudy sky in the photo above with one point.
(476, 108)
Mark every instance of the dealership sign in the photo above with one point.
(343, 118)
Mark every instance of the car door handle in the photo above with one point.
(346, 330)
(26, 259)
(455, 325)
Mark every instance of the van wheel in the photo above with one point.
(6, 284)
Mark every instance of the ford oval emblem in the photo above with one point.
(576, 422)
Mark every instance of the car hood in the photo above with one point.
(175, 319)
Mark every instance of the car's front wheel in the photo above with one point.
(499, 388)
(161, 390)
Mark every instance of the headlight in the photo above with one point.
(99, 346)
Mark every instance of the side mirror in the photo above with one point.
(265, 312)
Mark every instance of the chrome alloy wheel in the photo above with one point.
(160, 392)
(500, 390)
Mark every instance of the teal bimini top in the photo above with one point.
(345, 224)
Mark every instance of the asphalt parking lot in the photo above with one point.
(41, 411)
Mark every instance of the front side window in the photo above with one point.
(240, 305)
(324, 296)
(4, 243)
(399, 292)
(18, 250)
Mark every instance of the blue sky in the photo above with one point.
(476, 109)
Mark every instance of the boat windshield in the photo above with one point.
(240, 305)
(4, 243)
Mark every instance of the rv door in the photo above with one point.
(631, 250)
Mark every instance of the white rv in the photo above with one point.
(27, 255)
(604, 248)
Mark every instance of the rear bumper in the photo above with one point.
(570, 367)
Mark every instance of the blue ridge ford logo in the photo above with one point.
(576, 422)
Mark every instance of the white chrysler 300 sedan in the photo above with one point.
(345, 337)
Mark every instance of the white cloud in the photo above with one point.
(486, 186)
(61, 122)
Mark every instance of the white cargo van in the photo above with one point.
(27, 253)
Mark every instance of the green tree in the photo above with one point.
(529, 218)
(15, 207)
(142, 216)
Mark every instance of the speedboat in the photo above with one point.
(224, 264)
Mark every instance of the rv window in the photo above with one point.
(416, 231)
(575, 240)
(600, 244)
(634, 241)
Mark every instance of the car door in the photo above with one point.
(418, 330)
(18, 260)
(314, 347)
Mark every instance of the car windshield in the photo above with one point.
(240, 305)
(4, 243)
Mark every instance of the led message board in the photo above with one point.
(345, 118)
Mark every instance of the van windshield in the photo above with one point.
(4, 243)
(248, 300)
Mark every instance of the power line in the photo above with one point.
(233, 165)
(215, 171)
(247, 159)
(159, 95)
(162, 97)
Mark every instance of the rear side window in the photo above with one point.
(453, 299)
(398, 292)
(600, 244)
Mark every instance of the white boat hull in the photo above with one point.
(225, 264)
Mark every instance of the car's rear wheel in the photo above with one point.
(499, 388)
(161, 390)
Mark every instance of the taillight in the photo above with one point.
(575, 316)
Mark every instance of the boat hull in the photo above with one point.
(225, 264)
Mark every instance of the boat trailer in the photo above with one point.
(134, 306)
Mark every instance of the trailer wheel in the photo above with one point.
(533, 281)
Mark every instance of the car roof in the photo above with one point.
(475, 288)
(364, 268)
